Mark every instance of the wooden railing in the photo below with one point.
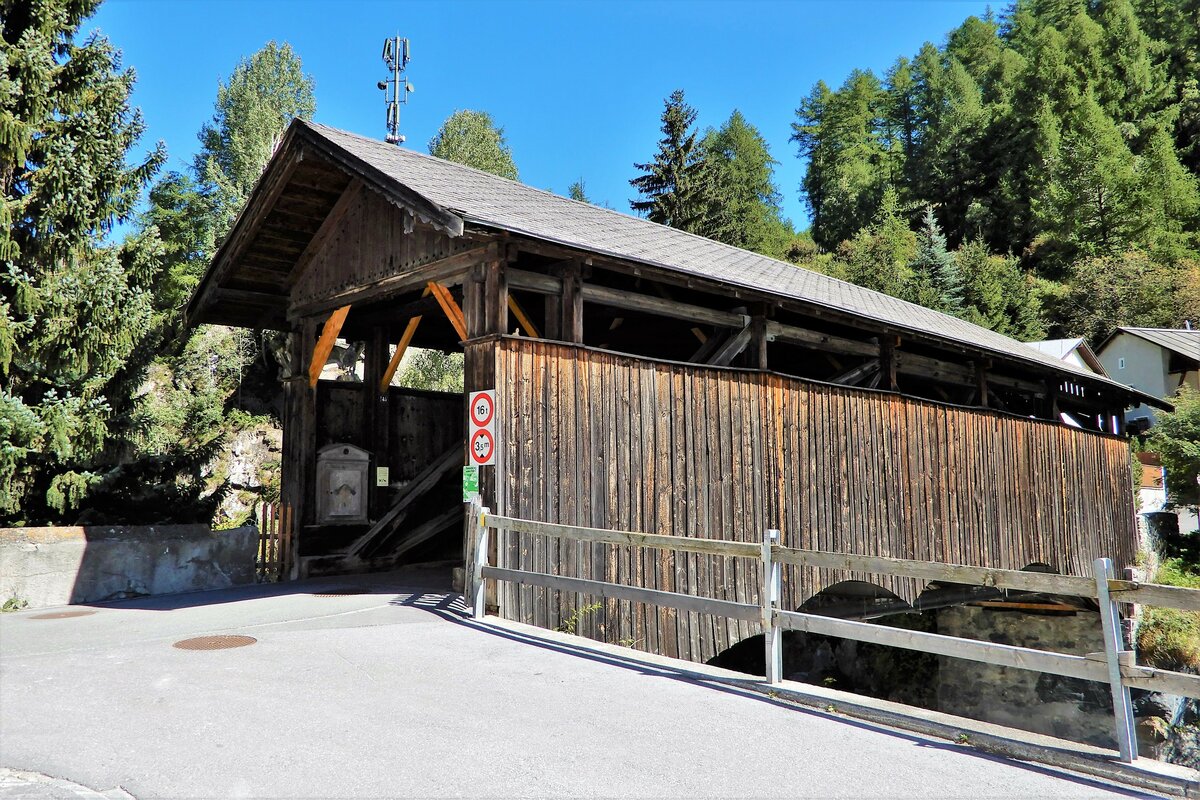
(273, 562)
(1114, 665)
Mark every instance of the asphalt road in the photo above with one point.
(392, 693)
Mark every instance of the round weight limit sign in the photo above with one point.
(481, 434)
(483, 409)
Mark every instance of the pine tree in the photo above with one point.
(72, 307)
(472, 138)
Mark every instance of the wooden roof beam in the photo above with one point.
(446, 271)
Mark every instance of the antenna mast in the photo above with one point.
(395, 88)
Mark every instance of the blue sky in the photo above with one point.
(577, 86)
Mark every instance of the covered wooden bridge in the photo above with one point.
(646, 379)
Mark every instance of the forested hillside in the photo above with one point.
(1036, 173)
(1062, 135)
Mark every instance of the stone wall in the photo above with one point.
(1068, 708)
(61, 565)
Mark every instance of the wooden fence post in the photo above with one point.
(1114, 648)
(772, 578)
(478, 595)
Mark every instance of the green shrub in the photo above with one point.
(1169, 638)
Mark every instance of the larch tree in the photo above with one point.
(851, 158)
(73, 307)
(751, 197)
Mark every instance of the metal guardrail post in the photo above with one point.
(479, 522)
(1113, 649)
(772, 580)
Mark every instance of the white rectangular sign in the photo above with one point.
(481, 432)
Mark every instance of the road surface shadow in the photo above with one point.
(453, 608)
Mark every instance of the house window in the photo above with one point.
(1120, 363)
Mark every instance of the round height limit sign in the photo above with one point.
(481, 436)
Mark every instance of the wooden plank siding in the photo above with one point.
(375, 240)
(605, 440)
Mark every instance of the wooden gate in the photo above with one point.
(274, 559)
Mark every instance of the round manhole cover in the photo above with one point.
(214, 642)
(344, 592)
(64, 614)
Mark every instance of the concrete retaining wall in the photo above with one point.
(56, 566)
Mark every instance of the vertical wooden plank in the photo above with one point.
(668, 630)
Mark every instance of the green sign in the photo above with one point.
(470, 483)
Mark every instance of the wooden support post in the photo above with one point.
(572, 303)
(1114, 652)
(981, 383)
(553, 316)
(495, 298)
(769, 600)
(760, 340)
(888, 363)
(298, 478)
(324, 345)
(376, 417)
(473, 290)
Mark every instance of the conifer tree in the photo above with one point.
(935, 281)
(750, 196)
(682, 187)
(72, 307)
(879, 255)
(850, 158)
(578, 191)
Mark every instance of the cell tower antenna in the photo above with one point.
(396, 88)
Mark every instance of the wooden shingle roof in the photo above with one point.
(455, 199)
(486, 200)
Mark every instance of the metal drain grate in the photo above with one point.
(64, 614)
(214, 642)
(351, 590)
